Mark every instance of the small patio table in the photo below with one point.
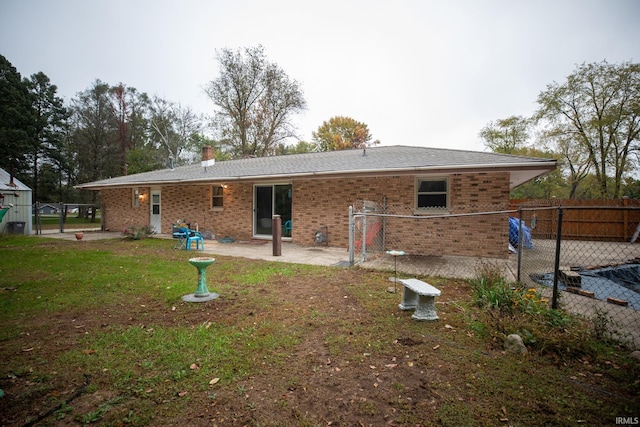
(395, 255)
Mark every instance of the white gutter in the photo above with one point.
(509, 166)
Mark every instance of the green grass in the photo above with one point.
(49, 222)
(165, 355)
(69, 278)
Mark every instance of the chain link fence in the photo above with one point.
(585, 260)
(378, 227)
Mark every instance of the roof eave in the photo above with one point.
(541, 167)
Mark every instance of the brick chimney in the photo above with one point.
(208, 156)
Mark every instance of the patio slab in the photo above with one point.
(445, 266)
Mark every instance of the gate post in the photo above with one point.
(519, 241)
(103, 217)
(384, 223)
(625, 227)
(363, 247)
(61, 217)
(37, 215)
(556, 270)
(351, 238)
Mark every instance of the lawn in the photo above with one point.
(52, 222)
(97, 332)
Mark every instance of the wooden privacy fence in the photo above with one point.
(613, 220)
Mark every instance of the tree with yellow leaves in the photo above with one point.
(342, 133)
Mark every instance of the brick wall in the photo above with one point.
(325, 202)
(318, 203)
(188, 202)
(192, 203)
(119, 212)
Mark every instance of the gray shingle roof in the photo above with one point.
(374, 160)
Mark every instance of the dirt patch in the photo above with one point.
(397, 384)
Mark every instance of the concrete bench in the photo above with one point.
(420, 296)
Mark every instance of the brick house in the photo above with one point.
(239, 197)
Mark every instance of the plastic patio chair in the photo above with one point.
(195, 236)
(286, 228)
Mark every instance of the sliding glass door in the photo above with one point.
(269, 200)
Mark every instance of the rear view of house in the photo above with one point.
(313, 191)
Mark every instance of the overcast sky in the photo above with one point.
(417, 72)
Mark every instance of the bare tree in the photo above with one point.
(177, 129)
(130, 109)
(255, 100)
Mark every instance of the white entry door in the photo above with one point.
(155, 219)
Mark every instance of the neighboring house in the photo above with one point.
(47, 209)
(238, 198)
(13, 192)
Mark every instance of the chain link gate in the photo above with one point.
(366, 230)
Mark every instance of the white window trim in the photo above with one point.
(135, 197)
(445, 209)
(217, 208)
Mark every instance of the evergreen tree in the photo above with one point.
(95, 135)
(50, 117)
(16, 119)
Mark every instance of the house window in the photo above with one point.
(217, 196)
(432, 194)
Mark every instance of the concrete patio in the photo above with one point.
(444, 266)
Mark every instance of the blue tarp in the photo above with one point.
(619, 282)
(627, 275)
(514, 227)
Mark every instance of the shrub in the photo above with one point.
(509, 308)
(135, 232)
(491, 290)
